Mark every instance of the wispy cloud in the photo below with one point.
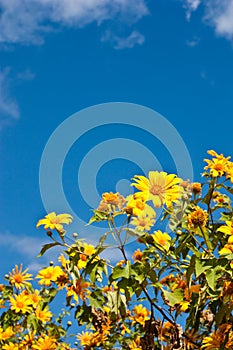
(217, 13)
(191, 6)
(9, 108)
(27, 22)
(124, 42)
(193, 42)
(26, 250)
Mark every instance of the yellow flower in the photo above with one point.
(140, 314)
(43, 315)
(45, 343)
(216, 339)
(218, 165)
(184, 305)
(35, 298)
(54, 221)
(135, 345)
(143, 222)
(19, 278)
(160, 188)
(197, 218)
(85, 338)
(111, 198)
(10, 346)
(49, 274)
(20, 303)
(4, 335)
(125, 329)
(137, 206)
(110, 201)
(163, 239)
(220, 198)
(196, 187)
(28, 340)
(230, 171)
(228, 248)
(64, 262)
(79, 290)
(88, 250)
(227, 229)
(137, 255)
(92, 339)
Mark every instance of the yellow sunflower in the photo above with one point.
(20, 303)
(49, 275)
(135, 345)
(143, 222)
(43, 315)
(19, 278)
(45, 343)
(140, 314)
(159, 187)
(4, 335)
(227, 229)
(228, 248)
(218, 165)
(35, 298)
(54, 221)
(162, 239)
(137, 206)
(10, 346)
(79, 290)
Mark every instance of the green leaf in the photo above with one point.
(119, 272)
(201, 266)
(212, 276)
(46, 247)
(174, 297)
(98, 216)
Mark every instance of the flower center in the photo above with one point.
(20, 304)
(48, 275)
(156, 190)
(18, 278)
(218, 166)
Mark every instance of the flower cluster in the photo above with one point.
(172, 288)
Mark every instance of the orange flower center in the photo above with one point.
(83, 257)
(156, 190)
(218, 167)
(20, 305)
(48, 275)
(18, 278)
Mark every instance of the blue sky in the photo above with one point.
(61, 56)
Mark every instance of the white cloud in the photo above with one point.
(193, 42)
(27, 21)
(125, 42)
(220, 15)
(25, 249)
(191, 6)
(217, 13)
(8, 106)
